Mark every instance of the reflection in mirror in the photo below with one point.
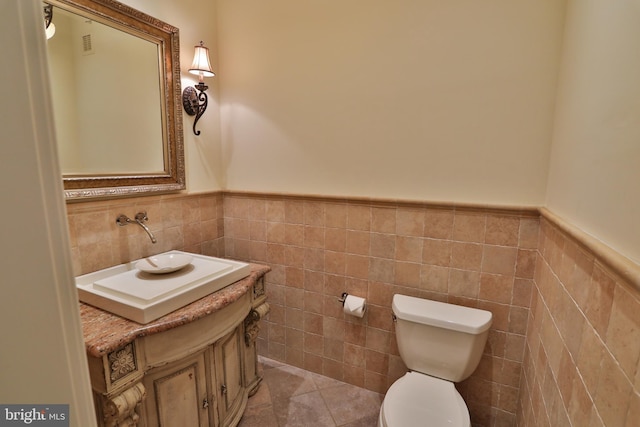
(116, 101)
(92, 94)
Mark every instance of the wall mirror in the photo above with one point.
(115, 77)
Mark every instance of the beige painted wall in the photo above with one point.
(196, 21)
(401, 99)
(595, 163)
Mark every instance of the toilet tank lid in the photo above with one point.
(443, 315)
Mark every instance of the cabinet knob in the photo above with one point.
(223, 389)
(205, 403)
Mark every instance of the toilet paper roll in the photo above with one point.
(354, 306)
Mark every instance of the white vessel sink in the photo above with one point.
(143, 297)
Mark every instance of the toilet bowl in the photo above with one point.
(420, 400)
(440, 344)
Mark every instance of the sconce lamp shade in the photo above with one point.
(50, 31)
(201, 65)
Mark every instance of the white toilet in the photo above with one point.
(441, 344)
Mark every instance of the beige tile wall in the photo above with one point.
(577, 365)
(191, 223)
(583, 342)
(319, 248)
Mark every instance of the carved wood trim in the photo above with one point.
(252, 323)
(258, 288)
(122, 362)
(121, 410)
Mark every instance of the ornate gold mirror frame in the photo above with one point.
(166, 37)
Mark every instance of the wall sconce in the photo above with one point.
(49, 27)
(195, 103)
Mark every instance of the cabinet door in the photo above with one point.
(228, 367)
(177, 394)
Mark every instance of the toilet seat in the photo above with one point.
(420, 400)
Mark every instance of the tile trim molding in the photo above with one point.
(609, 258)
(532, 211)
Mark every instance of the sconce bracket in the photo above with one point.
(195, 103)
(190, 101)
(48, 15)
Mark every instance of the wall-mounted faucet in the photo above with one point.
(139, 219)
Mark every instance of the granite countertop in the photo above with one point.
(105, 332)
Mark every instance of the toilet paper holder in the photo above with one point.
(343, 297)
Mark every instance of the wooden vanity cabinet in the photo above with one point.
(177, 394)
(205, 389)
(199, 374)
(229, 384)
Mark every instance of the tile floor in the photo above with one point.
(293, 397)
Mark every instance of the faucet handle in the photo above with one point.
(142, 216)
(122, 220)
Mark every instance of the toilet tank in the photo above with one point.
(439, 339)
